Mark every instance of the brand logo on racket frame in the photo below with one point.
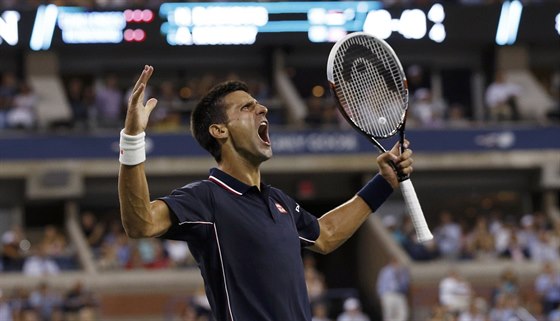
(359, 62)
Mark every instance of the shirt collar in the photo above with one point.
(228, 182)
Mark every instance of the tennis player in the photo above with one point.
(246, 236)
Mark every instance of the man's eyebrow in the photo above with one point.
(250, 102)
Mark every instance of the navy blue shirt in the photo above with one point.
(247, 243)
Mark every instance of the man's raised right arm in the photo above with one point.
(140, 217)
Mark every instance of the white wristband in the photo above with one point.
(132, 149)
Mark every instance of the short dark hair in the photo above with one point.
(210, 110)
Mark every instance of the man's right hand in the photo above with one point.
(137, 114)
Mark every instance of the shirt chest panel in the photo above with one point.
(253, 222)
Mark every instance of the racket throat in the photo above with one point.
(400, 175)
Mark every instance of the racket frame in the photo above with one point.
(401, 126)
(410, 197)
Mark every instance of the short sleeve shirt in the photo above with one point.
(247, 243)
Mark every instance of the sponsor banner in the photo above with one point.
(285, 143)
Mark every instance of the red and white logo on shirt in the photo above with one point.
(280, 208)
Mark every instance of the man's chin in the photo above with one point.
(266, 155)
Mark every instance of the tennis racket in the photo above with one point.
(369, 84)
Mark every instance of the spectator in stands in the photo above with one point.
(53, 241)
(8, 90)
(117, 246)
(502, 233)
(541, 220)
(352, 311)
(40, 264)
(168, 114)
(514, 250)
(455, 292)
(57, 248)
(179, 253)
(108, 102)
(6, 312)
(93, 230)
(456, 117)
(475, 312)
(153, 254)
(391, 223)
(314, 280)
(527, 235)
(320, 312)
(316, 286)
(508, 285)
(502, 309)
(113, 232)
(79, 303)
(314, 116)
(19, 303)
(13, 255)
(480, 242)
(77, 92)
(426, 111)
(392, 288)
(108, 258)
(545, 248)
(420, 251)
(501, 98)
(448, 236)
(23, 114)
(242, 229)
(321, 112)
(46, 302)
(547, 286)
(440, 313)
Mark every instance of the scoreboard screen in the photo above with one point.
(253, 23)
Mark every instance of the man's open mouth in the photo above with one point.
(263, 132)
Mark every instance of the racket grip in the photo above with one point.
(415, 211)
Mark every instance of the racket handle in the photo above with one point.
(415, 211)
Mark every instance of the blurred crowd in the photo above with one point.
(114, 250)
(47, 302)
(47, 252)
(507, 299)
(98, 102)
(532, 238)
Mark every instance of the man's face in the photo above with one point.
(248, 127)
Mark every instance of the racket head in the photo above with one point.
(369, 84)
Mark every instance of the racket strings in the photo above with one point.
(382, 100)
(374, 97)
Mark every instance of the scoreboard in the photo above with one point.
(298, 23)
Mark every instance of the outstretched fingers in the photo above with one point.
(143, 79)
(138, 90)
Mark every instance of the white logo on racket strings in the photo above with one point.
(382, 120)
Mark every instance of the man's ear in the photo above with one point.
(218, 131)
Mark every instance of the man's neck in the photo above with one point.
(242, 171)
